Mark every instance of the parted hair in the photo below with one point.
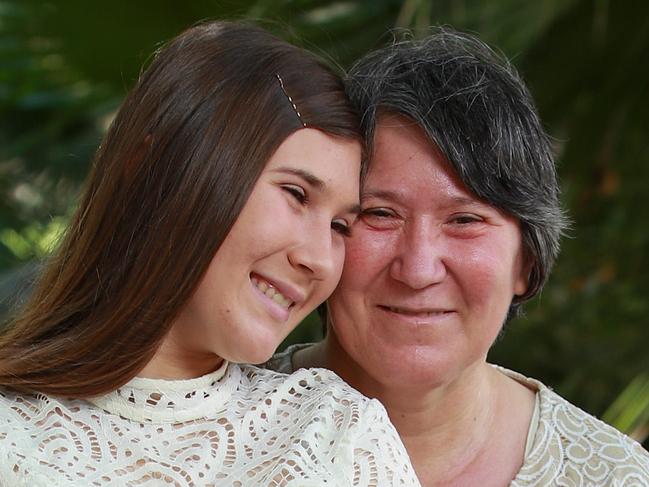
(168, 182)
(472, 104)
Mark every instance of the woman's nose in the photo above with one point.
(419, 261)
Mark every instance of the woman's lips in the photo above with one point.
(419, 315)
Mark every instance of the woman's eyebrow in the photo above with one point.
(310, 178)
(449, 200)
(382, 194)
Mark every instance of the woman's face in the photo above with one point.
(430, 269)
(283, 256)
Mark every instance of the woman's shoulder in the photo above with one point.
(283, 361)
(606, 454)
(570, 446)
(325, 386)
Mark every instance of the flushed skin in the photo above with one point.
(431, 270)
(459, 226)
(430, 273)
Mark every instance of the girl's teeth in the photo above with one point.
(279, 299)
(272, 293)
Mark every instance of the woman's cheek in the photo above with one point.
(367, 249)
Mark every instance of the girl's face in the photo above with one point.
(283, 257)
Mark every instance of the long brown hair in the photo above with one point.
(168, 182)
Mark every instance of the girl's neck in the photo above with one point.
(174, 363)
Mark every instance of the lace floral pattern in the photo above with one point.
(237, 427)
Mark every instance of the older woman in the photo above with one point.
(460, 225)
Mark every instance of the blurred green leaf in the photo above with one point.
(630, 411)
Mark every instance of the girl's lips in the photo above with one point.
(284, 288)
(276, 309)
(278, 297)
(271, 292)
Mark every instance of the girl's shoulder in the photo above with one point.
(319, 402)
(19, 409)
(24, 420)
(24, 417)
(335, 422)
(303, 387)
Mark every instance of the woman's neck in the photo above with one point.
(460, 433)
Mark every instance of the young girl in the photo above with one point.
(213, 222)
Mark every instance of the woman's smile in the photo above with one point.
(418, 314)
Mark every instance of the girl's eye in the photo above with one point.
(296, 192)
(341, 227)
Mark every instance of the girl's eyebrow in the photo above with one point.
(315, 182)
(309, 177)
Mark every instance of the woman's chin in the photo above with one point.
(414, 368)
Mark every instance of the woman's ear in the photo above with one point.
(522, 282)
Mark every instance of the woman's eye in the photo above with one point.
(341, 227)
(378, 212)
(380, 218)
(465, 219)
(296, 191)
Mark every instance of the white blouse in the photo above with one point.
(238, 426)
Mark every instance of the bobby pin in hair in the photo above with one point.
(297, 112)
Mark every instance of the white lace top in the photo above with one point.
(566, 447)
(239, 426)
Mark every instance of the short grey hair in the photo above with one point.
(472, 104)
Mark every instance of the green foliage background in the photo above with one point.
(65, 66)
